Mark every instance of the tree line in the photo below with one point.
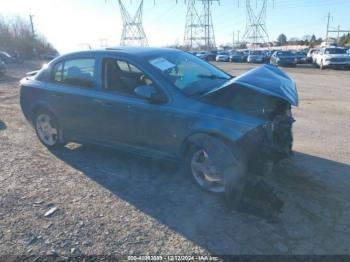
(309, 40)
(16, 36)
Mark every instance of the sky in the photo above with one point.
(68, 24)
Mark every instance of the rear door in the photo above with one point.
(73, 87)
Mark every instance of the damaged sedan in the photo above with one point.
(166, 104)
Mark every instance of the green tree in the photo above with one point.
(282, 39)
(313, 39)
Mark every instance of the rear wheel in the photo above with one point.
(47, 129)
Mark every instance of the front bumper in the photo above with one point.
(336, 64)
(271, 142)
(286, 63)
(222, 59)
(255, 60)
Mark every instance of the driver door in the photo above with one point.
(129, 120)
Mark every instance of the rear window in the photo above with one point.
(77, 72)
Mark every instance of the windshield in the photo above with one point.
(334, 51)
(256, 53)
(284, 53)
(189, 74)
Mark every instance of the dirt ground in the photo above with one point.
(110, 203)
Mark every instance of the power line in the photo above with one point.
(199, 29)
(256, 31)
(133, 33)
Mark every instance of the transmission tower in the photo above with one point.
(133, 33)
(199, 29)
(256, 32)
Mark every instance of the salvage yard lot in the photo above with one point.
(113, 203)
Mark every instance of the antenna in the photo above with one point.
(133, 33)
(199, 29)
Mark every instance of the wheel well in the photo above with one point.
(38, 108)
(191, 141)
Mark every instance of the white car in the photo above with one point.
(201, 55)
(256, 56)
(222, 57)
(334, 57)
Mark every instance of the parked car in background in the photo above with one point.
(301, 57)
(255, 56)
(268, 54)
(283, 58)
(222, 57)
(168, 104)
(3, 68)
(202, 55)
(333, 57)
(238, 56)
(211, 55)
(8, 59)
(310, 55)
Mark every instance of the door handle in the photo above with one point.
(102, 102)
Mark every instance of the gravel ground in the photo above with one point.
(106, 202)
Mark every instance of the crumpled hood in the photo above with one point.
(268, 80)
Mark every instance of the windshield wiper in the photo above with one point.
(213, 77)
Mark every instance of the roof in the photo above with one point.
(137, 51)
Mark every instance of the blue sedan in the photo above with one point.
(166, 104)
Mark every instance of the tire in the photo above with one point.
(47, 129)
(225, 173)
(322, 66)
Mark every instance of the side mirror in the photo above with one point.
(150, 93)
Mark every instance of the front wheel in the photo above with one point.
(47, 129)
(214, 167)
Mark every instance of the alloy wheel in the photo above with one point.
(206, 173)
(46, 129)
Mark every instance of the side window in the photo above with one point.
(123, 77)
(57, 72)
(124, 66)
(76, 72)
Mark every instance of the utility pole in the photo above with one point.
(34, 50)
(233, 39)
(337, 30)
(328, 18)
(199, 29)
(32, 25)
